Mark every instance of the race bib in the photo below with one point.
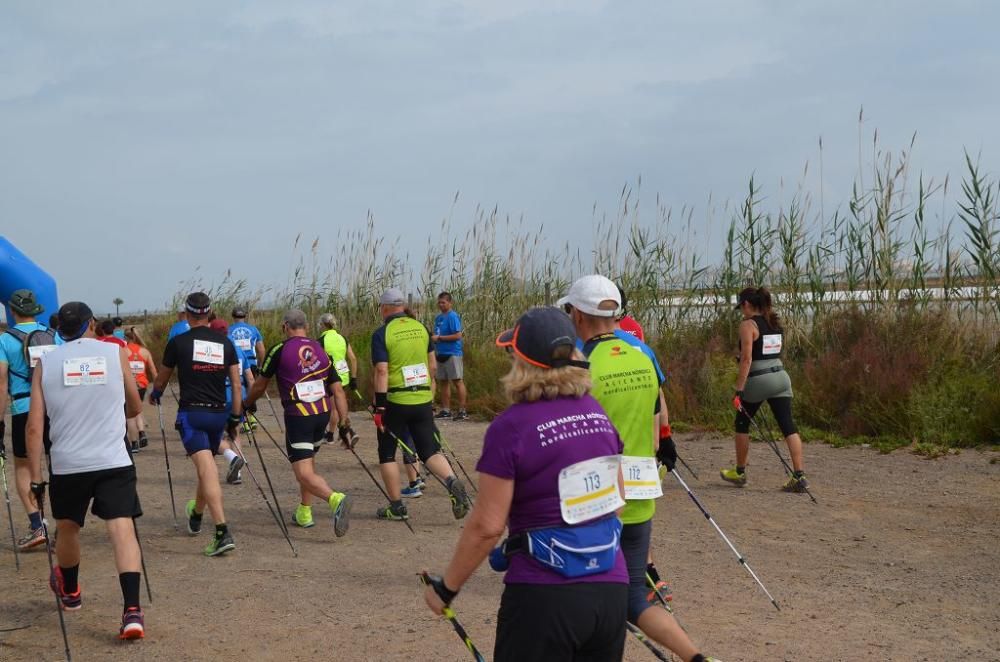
(589, 489)
(415, 375)
(770, 344)
(138, 367)
(37, 352)
(86, 371)
(311, 391)
(243, 344)
(208, 352)
(341, 366)
(642, 481)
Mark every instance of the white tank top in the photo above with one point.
(84, 393)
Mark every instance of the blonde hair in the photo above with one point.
(528, 383)
(133, 335)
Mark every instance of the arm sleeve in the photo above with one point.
(170, 354)
(379, 352)
(500, 450)
(270, 366)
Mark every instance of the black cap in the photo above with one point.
(198, 303)
(746, 294)
(23, 302)
(239, 312)
(537, 336)
(73, 319)
(117, 321)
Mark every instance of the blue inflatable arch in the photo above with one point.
(17, 271)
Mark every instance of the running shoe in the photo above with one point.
(143, 440)
(391, 513)
(419, 483)
(328, 437)
(462, 415)
(340, 505)
(348, 437)
(304, 516)
(661, 588)
(221, 543)
(133, 624)
(411, 492)
(194, 519)
(459, 499)
(795, 484)
(444, 413)
(233, 475)
(252, 420)
(33, 538)
(134, 447)
(67, 601)
(733, 476)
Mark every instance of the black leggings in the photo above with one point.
(780, 407)
(406, 422)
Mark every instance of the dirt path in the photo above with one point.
(899, 561)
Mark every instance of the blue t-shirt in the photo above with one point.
(635, 342)
(12, 353)
(447, 324)
(179, 327)
(119, 333)
(245, 337)
(243, 381)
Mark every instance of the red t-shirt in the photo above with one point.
(629, 325)
(114, 340)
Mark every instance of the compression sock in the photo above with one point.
(741, 470)
(36, 520)
(71, 578)
(652, 572)
(230, 454)
(130, 588)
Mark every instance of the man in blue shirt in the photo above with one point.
(180, 326)
(248, 340)
(447, 340)
(119, 332)
(15, 388)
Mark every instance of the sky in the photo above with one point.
(144, 143)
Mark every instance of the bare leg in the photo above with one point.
(208, 484)
(439, 466)
(121, 530)
(22, 477)
(445, 394)
(390, 477)
(310, 483)
(662, 627)
(742, 449)
(794, 442)
(67, 543)
(460, 390)
(411, 471)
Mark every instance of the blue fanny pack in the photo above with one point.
(571, 551)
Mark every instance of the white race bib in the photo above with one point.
(138, 367)
(37, 352)
(415, 375)
(243, 344)
(208, 352)
(341, 367)
(770, 344)
(589, 489)
(85, 371)
(642, 481)
(311, 391)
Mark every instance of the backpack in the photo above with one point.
(34, 344)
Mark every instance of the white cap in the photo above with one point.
(587, 293)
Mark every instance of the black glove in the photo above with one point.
(3, 431)
(667, 452)
(38, 489)
(348, 438)
(232, 423)
(352, 383)
(437, 583)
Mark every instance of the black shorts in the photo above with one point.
(304, 435)
(19, 435)
(417, 421)
(111, 490)
(142, 394)
(582, 622)
(780, 407)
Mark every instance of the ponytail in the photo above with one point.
(763, 302)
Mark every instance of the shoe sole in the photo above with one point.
(132, 632)
(222, 550)
(342, 517)
(460, 500)
(415, 495)
(394, 518)
(234, 470)
(308, 525)
(732, 481)
(31, 545)
(66, 607)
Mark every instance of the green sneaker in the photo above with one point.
(221, 543)
(340, 505)
(795, 484)
(194, 519)
(733, 476)
(304, 516)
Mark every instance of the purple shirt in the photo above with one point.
(296, 361)
(530, 443)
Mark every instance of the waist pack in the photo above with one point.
(442, 358)
(571, 551)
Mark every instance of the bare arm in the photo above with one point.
(258, 349)
(747, 331)
(256, 390)
(381, 377)
(340, 402)
(237, 389)
(133, 403)
(162, 377)
(36, 426)
(432, 370)
(352, 361)
(147, 358)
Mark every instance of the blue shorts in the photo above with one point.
(201, 430)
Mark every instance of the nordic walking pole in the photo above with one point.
(142, 559)
(378, 485)
(273, 412)
(686, 466)
(40, 497)
(166, 457)
(449, 614)
(769, 438)
(451, 451)
(657, 653)
(663, 601)
(10, 515)
(274, 441)
(263, 495)
(267, 476)
(739, 556)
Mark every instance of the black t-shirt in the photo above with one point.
(202, 358)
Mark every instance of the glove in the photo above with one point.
(667, 452)
(154, 396)
(437, 583)
(3, 431)
(348, 437)
(38, 489)
(232, 423)
(377, 414)
(352, 383)
(738, 401)
(250, 407)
